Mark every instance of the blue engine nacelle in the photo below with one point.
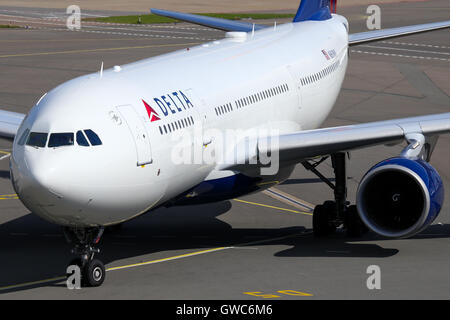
(400, 197)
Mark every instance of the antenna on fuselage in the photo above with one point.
(101, 71)
(253, 31)
(275, 26)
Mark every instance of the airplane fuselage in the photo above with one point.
(283, 80)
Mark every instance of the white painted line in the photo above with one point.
(415, 44)
(289, 199)
(5, 156)
(125, 34)
(140, 26)
(402, 49)
(399, 55)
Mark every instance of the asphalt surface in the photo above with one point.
(257, 247)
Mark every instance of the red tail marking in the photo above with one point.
(333, 6)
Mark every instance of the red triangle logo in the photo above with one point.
(151, 113)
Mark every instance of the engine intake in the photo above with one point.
(400, 197)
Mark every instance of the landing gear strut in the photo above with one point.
(331, 214)
(84, 239)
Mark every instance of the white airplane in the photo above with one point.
(99, 150)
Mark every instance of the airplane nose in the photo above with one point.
(40, 184)
(34, 176)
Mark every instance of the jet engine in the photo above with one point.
(400, 197)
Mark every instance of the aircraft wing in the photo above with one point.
(313, 143)
(364, 37)
(216, 23)
(9, 123)
(305, 145)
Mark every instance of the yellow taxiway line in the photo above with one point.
(181, 256)
(95, 50)
(8, 197)
(273, 207)
(146, 263)
(177, 257)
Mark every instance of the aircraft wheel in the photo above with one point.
(322, 217)
(94, 273)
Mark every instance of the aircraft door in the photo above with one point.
(201, 114)
(295, 76)
(139, 133)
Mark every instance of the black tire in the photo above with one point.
(94, 273)
(353, 223)
(322, 216)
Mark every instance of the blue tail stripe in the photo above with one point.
(317, 10)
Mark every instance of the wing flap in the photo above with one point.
(365, 37)
(215, 23)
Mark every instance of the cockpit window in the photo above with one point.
(37, 139)
(81, 139)
(93, 137)
(60, 139)
(24, 137)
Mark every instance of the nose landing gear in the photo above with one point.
(84, 239)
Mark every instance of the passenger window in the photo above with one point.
(60, 140)
(37, 139)
(81, 139)
(93, 137)
(24, 137)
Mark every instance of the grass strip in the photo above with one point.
(154, 19)
(8, 26)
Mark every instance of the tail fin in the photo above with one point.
(333, 6)
(317, 10)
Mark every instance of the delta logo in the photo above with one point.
(168, 104)
(153, 116)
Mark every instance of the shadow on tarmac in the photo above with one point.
(4, 174)
(33, 250)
